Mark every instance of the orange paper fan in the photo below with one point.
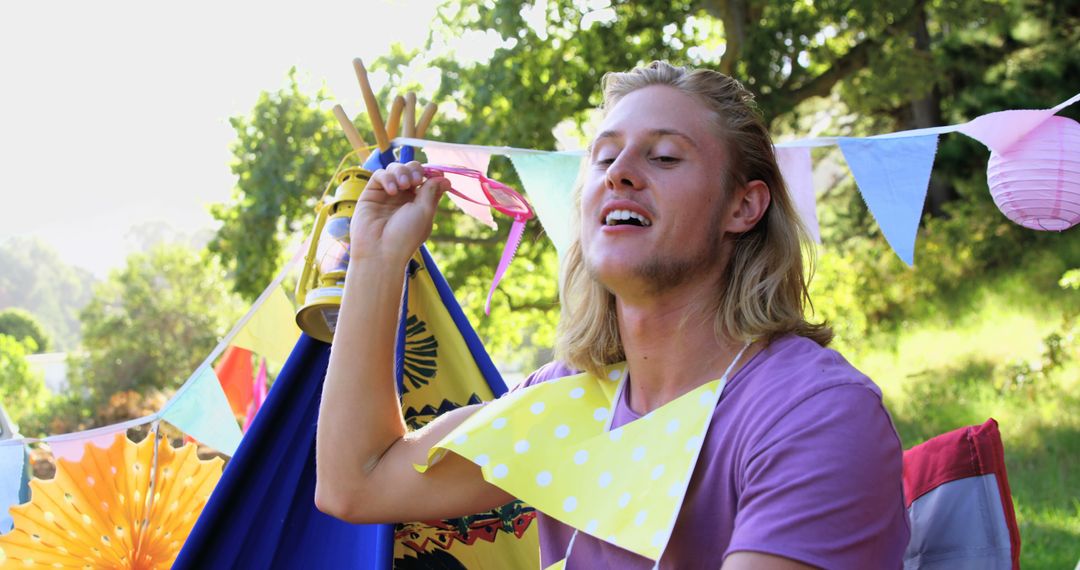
(104, 511)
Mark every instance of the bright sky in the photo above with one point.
(115, 113)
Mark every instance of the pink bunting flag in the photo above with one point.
(476, 160)
(1000, 130)
(798, 173)
(72, 446)
(260, 395)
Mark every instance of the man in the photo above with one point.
(688, 263)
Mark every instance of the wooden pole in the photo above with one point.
(410, 114)
(395, 117)
(425, 120)
(372, 105)
(351, 133)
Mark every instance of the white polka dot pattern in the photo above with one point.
(548, 446)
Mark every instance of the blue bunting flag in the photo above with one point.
(893, 175)
(201, 410)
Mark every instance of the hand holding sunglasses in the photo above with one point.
(499, 196)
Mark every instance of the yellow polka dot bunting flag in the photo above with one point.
(549, 445)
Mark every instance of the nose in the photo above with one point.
(623, 174)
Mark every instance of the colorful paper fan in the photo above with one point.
(112, 508)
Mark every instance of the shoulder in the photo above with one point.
(818, 461)
(550, 371)
(792, 370)
(797, 391)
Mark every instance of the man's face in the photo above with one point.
(657, 162)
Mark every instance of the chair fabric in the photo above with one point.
(959, 502)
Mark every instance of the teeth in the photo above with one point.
(623, 215)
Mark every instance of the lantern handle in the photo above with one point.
(340, 167)
(307, 278)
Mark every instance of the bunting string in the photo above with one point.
(891, 171)
(204, 399)
(977, 125)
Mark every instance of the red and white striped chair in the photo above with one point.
(959, 504)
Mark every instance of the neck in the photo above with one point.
(671, 347)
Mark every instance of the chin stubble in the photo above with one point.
(664, 272)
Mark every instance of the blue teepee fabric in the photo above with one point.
(262, 513)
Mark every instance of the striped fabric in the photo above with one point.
(959, 503)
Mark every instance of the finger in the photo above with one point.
(403, 175)
(416, 171)
(383, 180)
(431, 191)
(410, 174)
(400, 176)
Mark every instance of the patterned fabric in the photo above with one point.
(801, 460)
(549, 445)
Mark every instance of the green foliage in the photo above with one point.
(553, 54)
(23, 390)
(1000, 343)
(21, 325)
(285, 151)
(151, 323)
(34, 278)
(1070, 280)
(864, 289)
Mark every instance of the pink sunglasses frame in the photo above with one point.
(521, 214)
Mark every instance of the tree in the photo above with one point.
(151, 323)
(21, 325)
(34, 278)
(23, 390)
(285, 151)
(860, 67)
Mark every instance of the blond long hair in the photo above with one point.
(763, 293)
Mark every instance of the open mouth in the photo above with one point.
(626, 218)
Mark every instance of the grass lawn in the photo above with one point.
(951, 367)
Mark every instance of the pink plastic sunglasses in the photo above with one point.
(506, 201)
(503, 198)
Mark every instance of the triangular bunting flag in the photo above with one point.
(258, 390)
(72, 446)
(235, 372)
(201, 409)
(560, 462)
(798, 173)
(266, 496)
(998, 131)
(474, 159)
(271, 332)
(893, 174)
(12, 457)
(549, 181)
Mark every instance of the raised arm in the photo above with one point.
(364, 451)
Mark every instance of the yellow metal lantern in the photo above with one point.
(322, 280)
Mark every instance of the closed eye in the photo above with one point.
(666, 159)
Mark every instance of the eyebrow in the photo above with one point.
(653, 132)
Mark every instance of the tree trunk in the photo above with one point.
(926, 112)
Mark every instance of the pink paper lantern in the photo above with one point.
(1036, 181)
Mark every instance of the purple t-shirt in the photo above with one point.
(801, 460)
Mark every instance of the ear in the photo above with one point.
(749, 206)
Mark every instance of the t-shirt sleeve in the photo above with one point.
(549, 371)
(823, 484)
